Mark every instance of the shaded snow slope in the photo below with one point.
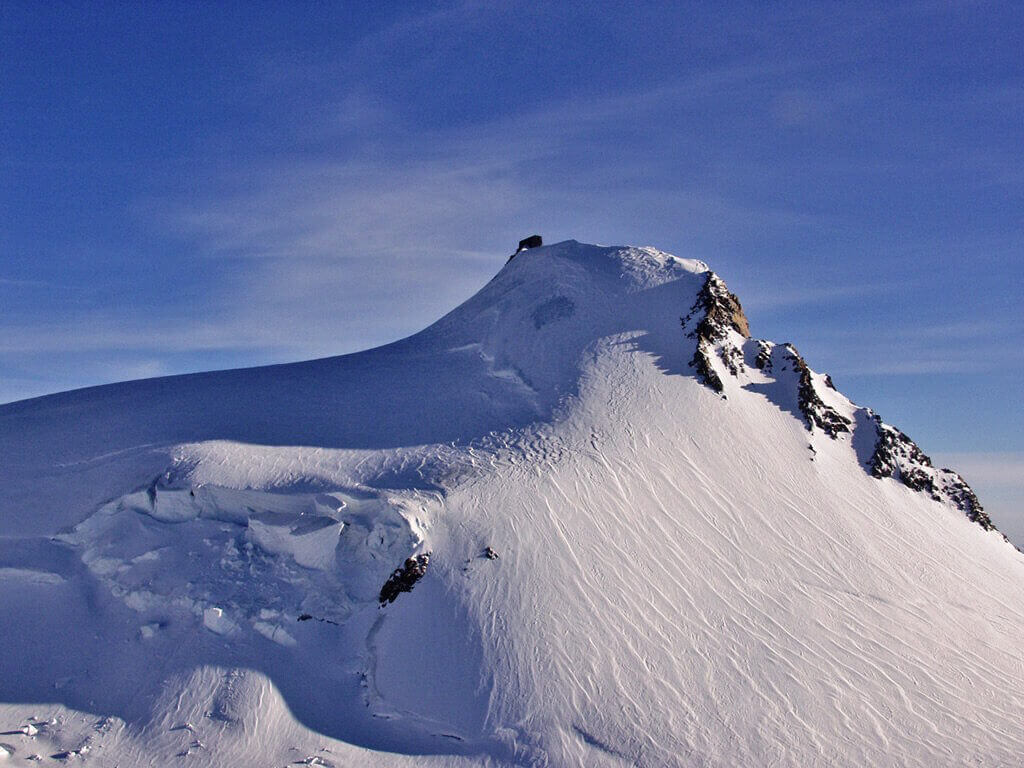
(583, 519)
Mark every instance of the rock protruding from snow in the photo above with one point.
(722, 310)
(763, 360)
(722, 313)
(815, 411)
(897, 456)
(404, 579)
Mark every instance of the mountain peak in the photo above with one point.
(582, 519)
(637, 266)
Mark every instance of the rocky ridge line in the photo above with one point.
(899, 457)
(895, 455)
(722, 311)
(815, 411)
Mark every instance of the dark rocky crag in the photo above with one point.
(721, 311)
(404, 579)
(763, 361)
(897, 456)
(716, 311)
(815, 412)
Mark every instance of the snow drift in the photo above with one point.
(583, 519)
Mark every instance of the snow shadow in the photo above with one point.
(138, 617)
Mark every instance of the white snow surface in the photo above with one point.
(190, 566)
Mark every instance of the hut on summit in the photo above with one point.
(533, 241)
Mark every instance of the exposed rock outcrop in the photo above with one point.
(721, 312)
(701, 362)
(404, 579)
(815, 411)
(716, 312)
(763, 361)
(897, 456)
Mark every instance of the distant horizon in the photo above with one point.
(196, 188)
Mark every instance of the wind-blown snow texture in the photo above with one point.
(652, 541)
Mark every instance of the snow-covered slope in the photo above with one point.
(581, 520)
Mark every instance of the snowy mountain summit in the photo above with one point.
(583, 519)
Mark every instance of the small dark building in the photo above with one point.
(533, 241)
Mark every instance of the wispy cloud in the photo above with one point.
(8, 282)
(998, 479)
(905, 348)
(918, 364)
(993, 469)
(319, 243)
(365, 220)
(769, 298)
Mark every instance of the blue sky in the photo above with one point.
(194, 186)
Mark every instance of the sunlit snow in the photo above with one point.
(626, 567)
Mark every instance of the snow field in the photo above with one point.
(191, 565)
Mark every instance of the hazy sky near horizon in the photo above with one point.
(194, 186)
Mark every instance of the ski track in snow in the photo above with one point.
(191, 566)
